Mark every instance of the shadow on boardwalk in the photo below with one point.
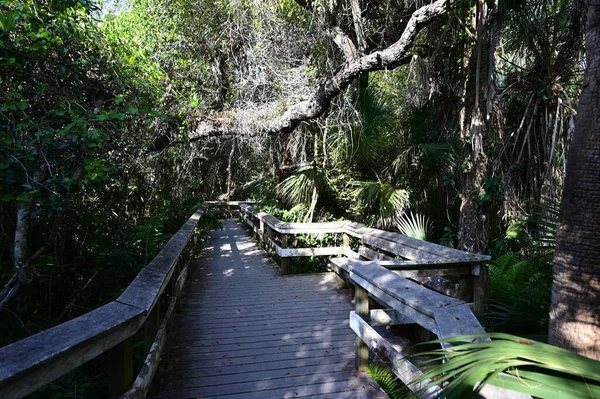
(248, 332)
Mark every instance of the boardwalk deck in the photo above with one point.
(248, 332)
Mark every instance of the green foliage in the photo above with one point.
(297, 188)
(520, 291)
(382, 202)
(414, 225)
(512, 362)
(390, 384)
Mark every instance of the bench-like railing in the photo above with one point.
(35, 361)
(406, 256)
(399, 273)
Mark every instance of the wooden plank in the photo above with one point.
(274, 383)
(194, 344)
(208, 362)
(361, 354)
(481, 290)
(256, 375)
(352, 384)
(388, 317)
(400, 249)
(456, 320)
(370, 254)
(408, 292)
(279, 326)
(151, 281)
(328, 347)
(285, 263)
(426, 247)
(400, 365)
(28, 364)
(300, 252)
(196, 370)
(120, 368)
(274, 329)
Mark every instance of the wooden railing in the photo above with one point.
(379, 269)
(405, 256)
(401, 275)
(35, 361)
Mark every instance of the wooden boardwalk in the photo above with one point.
(248, 332)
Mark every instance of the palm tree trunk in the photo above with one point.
(474, 218)
(575, 308)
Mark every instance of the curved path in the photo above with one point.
(248, 332)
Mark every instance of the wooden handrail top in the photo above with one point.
(396, 243)
(33, 362)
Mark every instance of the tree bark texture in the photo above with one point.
(318, 102)
(575, 308)
(474, 218)
(230, 169)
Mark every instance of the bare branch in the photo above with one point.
(319, 100)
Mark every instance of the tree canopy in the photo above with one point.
(447, 120)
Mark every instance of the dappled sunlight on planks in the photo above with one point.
(249, 332)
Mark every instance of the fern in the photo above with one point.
(392, 386)
(520, 292)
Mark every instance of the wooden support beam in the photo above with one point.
(120, 368)
(480, 290)
(361, 303)
(285, 262)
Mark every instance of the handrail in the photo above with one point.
(33, 362)
(384, 278)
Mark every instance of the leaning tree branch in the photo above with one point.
(319, 101)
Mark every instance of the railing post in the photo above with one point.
(151, 326)
(261, 235)
(465, 288)
(120, 368)
(285, 262)
(341, 283)
(361, 303)
(480, 290)
(345, 240)
(269, 236)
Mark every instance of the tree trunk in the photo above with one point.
(575, 308)
(230, 169)
(315, 193)
(474, 218)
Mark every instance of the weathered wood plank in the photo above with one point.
(354, 385)
(300, 252)
(403, 290)
(400, 365)
(425, 247)
(27, 365)
(279, 326)
(361, 354)
(151, 281)
(196, 370)
(328, 347)
(256, 376)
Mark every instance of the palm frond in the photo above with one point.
(297, 188)
(515, 363)
(414, 225)
(381, 200)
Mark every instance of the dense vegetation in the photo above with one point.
(116, 122)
